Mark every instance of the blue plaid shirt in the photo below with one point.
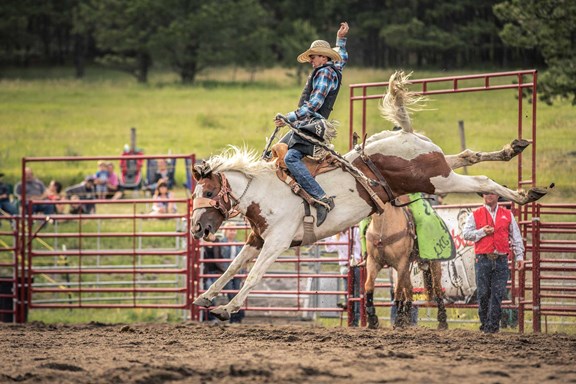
(324, 81)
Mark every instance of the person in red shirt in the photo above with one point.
(495, 234)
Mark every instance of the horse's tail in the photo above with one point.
(398, 102)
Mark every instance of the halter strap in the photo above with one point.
(224, 201)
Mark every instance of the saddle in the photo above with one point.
(316, 166)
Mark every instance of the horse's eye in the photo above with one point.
(209, 194)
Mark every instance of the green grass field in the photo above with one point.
(48, 113)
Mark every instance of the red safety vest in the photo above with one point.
(499, 241)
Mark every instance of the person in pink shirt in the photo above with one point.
(112, 184)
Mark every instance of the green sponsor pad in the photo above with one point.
(434, 239)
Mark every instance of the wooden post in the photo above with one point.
(462, 140)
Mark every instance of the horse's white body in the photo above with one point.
(410, 163)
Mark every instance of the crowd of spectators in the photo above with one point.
(102, 184)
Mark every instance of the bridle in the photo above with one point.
(225, 201)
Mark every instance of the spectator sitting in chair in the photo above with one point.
(113, 185)
(35, 190)
(83, 191)
(5, 204)
(101, 180)
(161, 197)
(54, 190)
(162, 173)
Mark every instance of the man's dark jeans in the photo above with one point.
(491, 279)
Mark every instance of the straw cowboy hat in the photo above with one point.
(319, 47)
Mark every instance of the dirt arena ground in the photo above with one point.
(295, 353)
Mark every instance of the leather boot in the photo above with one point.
(322, 210)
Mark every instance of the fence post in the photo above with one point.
(462, 141)
(536, 301)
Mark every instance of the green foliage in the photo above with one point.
(548, 26)
(294, 42)
(125, 30)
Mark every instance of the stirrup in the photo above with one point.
(327, 202)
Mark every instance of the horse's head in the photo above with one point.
(212, 201)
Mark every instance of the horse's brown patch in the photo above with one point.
(404, 176)
(255, 241)
(257, 220)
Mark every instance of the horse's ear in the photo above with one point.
(201, 171)
(197, 172)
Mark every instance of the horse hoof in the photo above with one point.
(442, 326)
(373, 322)
(202, 302)
(536, 194)
(221, 313)
(519, 145)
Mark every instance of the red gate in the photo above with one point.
(530, 217)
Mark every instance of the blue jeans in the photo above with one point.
(8, 207)
(293, 160)
(491, 279)
(355, 294)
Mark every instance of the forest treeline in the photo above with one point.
(188, 36)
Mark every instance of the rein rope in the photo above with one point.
(355, 172)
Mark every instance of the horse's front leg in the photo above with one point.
(247, 253)
(268, 255)
(372, 269)
(403, 296)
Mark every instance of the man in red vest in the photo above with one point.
(495, 233)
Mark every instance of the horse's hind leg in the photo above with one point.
(403, 297)
(436, 272)
(372, 271)
(467, 184)
(469, 157)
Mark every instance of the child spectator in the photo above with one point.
(101, 180)
(161, 195)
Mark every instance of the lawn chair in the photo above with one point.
(131, 171)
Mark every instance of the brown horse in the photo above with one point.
(390, 240)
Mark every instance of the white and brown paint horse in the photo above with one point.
(390, 241)
(238, 180)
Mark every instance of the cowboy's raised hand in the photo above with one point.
(343, 31)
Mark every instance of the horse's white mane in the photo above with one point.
(240, 159)
(398, 102)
